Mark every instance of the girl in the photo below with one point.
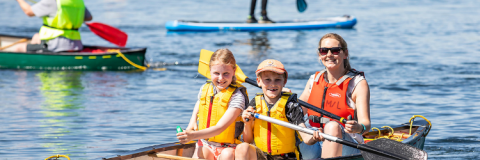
(220, 103)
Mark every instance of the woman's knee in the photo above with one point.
(242, 148)
(333, 129)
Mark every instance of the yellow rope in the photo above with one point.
(58, 156)
(127, 60)
(411, 123)
(393, 131)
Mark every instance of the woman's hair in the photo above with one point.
(343, 44)
(224, 56)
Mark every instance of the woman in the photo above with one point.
(340, 90)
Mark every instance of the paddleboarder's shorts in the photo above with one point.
(38, 48)
(214, 148)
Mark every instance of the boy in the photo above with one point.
(272, 141)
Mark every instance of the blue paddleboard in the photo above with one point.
(333, 22)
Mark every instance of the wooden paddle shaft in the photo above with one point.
(17, 42)
(326, 136)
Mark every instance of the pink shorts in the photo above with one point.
(214, 148)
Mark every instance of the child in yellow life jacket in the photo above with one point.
(272, 141)
(218, 109)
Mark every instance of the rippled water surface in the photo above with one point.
(420, 57)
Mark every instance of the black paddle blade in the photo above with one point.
(398, 148)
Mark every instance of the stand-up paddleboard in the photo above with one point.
(334, 22)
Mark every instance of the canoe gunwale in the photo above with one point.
(421, 125)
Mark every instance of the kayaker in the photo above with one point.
(263, 19)
(218, 109)
(61, 20)
(340, 90)
(272, 141)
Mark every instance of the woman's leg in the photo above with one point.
(329, 148)
(245, 151)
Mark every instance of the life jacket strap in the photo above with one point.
(316, 119)
(75, 29)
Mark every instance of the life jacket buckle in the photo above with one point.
(316, 119)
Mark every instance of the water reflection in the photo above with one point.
(63, 96)
(259, 42)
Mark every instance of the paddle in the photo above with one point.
(389, 149)
(301, 5)
(204, 69)
(109, 33)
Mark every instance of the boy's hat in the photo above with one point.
(271, 65)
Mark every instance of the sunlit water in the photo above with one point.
(419, 57)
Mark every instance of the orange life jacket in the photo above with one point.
(331, 97)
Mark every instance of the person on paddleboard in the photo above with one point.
(263, 19)
(61, 20)
(338, 89)
(272, 141)
(218, 109)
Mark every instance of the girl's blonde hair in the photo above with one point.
(343, 44)
(224, 56)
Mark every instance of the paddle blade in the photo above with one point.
(398, 148)
(109, 33)
(204, 66)
(301, 5)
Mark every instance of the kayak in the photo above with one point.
(333, 22)
(413, 133)
(90, 58)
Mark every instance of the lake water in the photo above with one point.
(420, 57)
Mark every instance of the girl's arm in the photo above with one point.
(361, 97)
(193, 120)
(228, 118)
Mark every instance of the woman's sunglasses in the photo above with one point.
(334, 50)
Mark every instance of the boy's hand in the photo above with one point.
(248, 114)
(352, 126)
(285, 89)
(317, 136)
(185, 137)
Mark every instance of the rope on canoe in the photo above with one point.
(127, 60)
(57, 156)
(411, 123)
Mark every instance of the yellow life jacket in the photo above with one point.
(271, 138)
(213, 107)
(69, 17)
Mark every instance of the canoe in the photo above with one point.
(413, 134)
(90, 58)
(333, 22)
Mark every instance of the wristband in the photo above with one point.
(363, 129)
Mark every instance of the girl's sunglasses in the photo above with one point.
(334, 50)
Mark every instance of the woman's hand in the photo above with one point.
(248, 114)
(185, 137)
(285, 89)
(317, 137)
(353, 126)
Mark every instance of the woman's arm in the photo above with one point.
(361, 97)
(305, 95)
(228, 118)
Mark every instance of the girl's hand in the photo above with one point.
(317, 137)
(194, 127)
(248, 114)
(185, 136)
(353, 126)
